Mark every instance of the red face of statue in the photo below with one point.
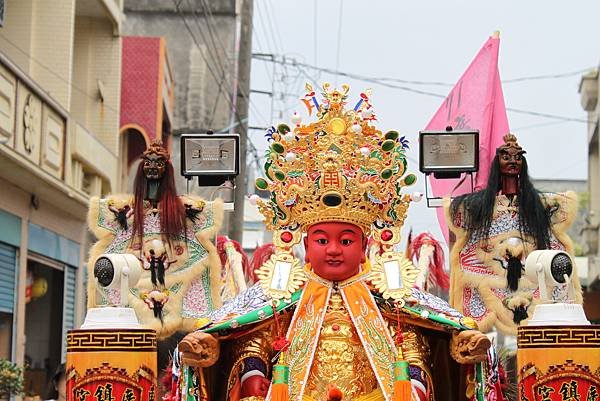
(510, 161)
(335, 250)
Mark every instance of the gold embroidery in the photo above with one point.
(256, 344)
(416, 351)
(340, 358)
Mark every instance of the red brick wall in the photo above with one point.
(140, 74)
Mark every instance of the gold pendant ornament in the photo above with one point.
(281, 275)
(394, 276)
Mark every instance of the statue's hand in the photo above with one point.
(255, 386)
(469, 346)
(199, 350)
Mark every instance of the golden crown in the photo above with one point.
(338, 168)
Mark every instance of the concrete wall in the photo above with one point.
(200, 102)
(216, 7)
(49, 69)
(52, 34)
(39, 40)
(18, 21)
(196, 91)
(97, 58)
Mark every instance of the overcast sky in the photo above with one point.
(434, 41)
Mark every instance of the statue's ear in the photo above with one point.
(365, 242)
(306, 260)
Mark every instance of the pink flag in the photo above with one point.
(475, 102)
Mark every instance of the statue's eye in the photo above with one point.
(322, 241)
(346, 242)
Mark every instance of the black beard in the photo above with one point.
(152, 190)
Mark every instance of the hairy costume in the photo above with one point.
(171, 236)
(495, 232)
(427, 254)
(336, 326)
(234, 262)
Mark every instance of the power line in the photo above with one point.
(504, 81)
(358, 77)
(212, 33)
(294, 62)
(270, 37)
(274, 28)
(526, 127)
(272, 74)
(263, 49)
(208, 66)
(546, 115)
(549, 76)
(228, 96)
(198, 46)
(208, 16)
(280, 81)
(216, 56)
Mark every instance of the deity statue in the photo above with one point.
(171, 236)
(496, 228)
(336, 326)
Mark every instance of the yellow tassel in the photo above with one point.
(279, 386)
(280, 392)
(402, 386)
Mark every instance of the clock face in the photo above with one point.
(210, 155)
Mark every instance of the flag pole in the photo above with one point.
(496, 35)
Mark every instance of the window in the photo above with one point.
(8, 269)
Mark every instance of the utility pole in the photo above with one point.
(240, 109)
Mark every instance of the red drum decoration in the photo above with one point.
(559, 363)
(111, 365)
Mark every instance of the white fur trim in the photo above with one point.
(419, 390)
(251, 373)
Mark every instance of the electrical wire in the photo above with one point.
(549, 76)
(216, 54)
(211, 71)
(228, 96)
(270, 36)
(262, 48)
(413, 90)
(274, 29)
(212, 27)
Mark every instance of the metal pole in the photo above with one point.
(242, 78)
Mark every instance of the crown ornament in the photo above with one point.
(340, 168)
(157, 148)
(510, 142)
